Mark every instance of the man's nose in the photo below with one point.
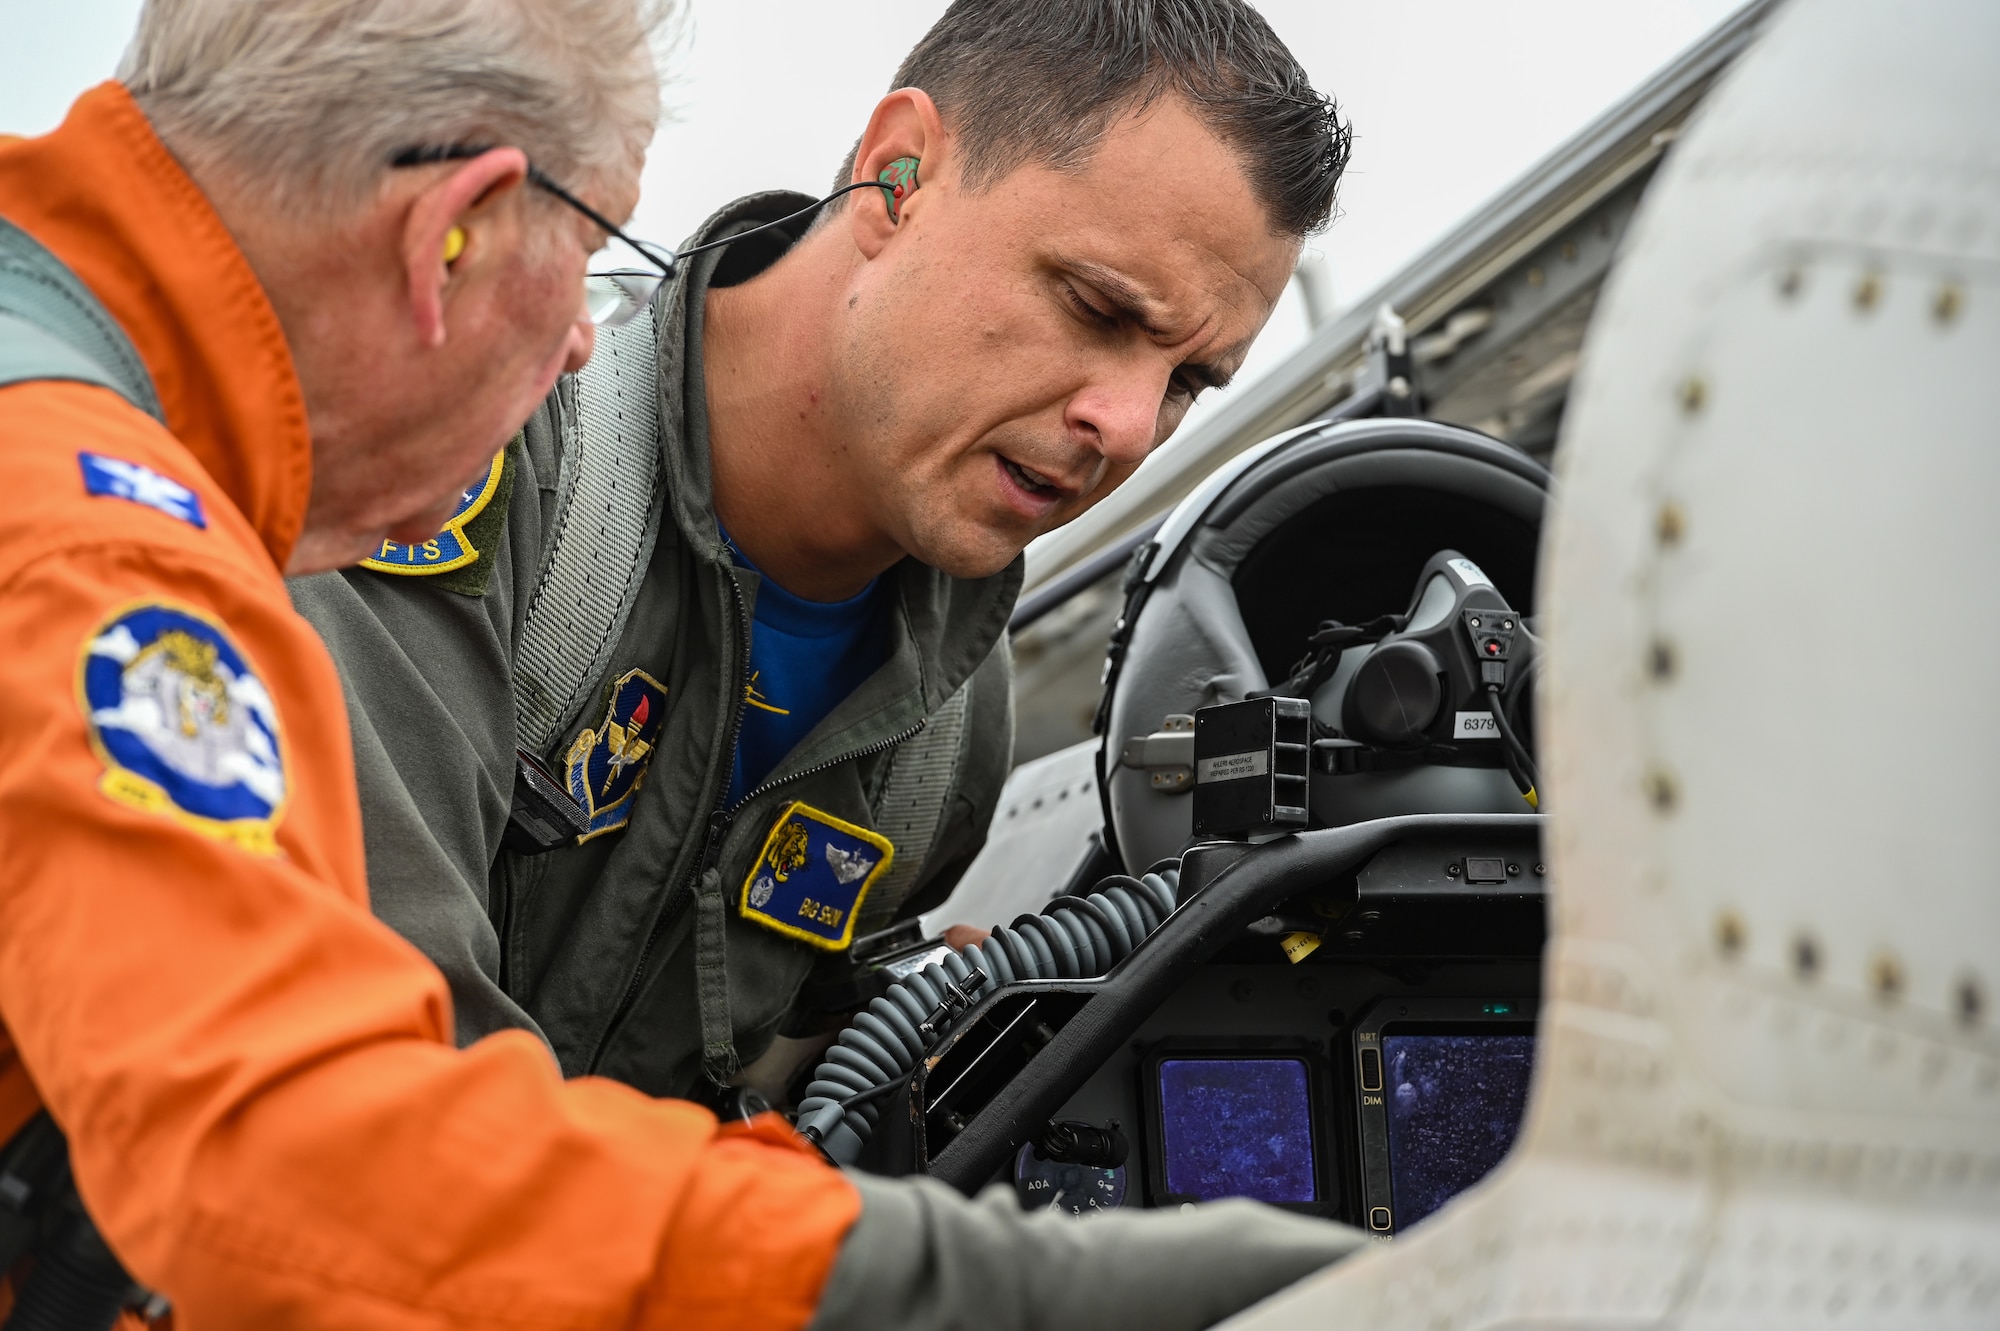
(1123, 412)
(582, 341)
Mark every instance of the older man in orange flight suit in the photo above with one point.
(265, 1112)
(314, 351)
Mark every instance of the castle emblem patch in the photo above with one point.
(810, 878)
(183, 725)
(606, 766)
(451, 548)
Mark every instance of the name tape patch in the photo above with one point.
(606, 766)
(811, 877)
(183, 725)
(115, 478)
(450, 548)
(1233, 766)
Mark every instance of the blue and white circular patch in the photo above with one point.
(184, 726)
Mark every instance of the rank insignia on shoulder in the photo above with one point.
(606, 766)
(812, 875)
(115, 478)
(183, 725)
(451, 548)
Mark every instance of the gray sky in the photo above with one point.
(1450, 99)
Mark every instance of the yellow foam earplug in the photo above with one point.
(454, 244)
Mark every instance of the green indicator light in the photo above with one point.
(1497, 1009)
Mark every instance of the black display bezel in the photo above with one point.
(1319, 1100)
(1412, 1016)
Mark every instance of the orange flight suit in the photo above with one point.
(265, 1112)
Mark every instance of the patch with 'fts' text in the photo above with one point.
(452, 548)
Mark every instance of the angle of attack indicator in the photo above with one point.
(1052, 1185)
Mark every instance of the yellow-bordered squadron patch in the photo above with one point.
(607, 766)
(450, 548)
(183, 725)
(811, 877)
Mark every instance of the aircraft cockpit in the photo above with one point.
(1298, 959)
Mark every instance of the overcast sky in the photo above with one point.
(1450, 99)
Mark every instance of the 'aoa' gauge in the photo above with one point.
(1051, 1185)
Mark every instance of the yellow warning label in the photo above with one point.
(1299, 946)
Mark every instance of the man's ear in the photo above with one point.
(905, 124)
(451, 230)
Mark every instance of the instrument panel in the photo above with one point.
(1339, 1022)
(1339, 1089)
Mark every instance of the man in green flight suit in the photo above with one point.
(735, 602)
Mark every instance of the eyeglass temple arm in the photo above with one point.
(658, 254)
(455, 152)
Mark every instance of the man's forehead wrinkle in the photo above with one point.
(1128, 293)
(1190, 307)
(1215, 366)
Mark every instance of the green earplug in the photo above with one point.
(901, 176)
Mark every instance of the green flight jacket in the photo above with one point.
(603, 947)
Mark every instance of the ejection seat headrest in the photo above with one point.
(1326, 522)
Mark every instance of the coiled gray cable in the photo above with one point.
(1073, 938)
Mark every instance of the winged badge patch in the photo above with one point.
(607, 765)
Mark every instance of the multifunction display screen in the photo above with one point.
(1454, 1103)
(1237, 1127)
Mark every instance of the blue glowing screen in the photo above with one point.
(1454, 1104)
(1237, 1127)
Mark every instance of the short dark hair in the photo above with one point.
(1043, 80)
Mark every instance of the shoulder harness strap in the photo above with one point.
(922, 774)
(609, 501)
(52, 327)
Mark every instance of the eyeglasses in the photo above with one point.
(615, 288)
